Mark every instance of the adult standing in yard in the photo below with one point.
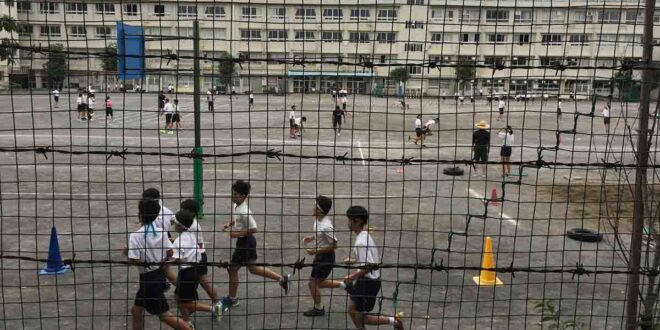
(481, 147)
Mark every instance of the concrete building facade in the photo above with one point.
(517, 46)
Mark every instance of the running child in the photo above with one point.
(147, 247)
(606, 117)
(168, 109)
(187, 250)
(81, 111)
(209, 100)
(164, 222)
(364, 284)
(161, 102)
(85, 106)
(176, 117)
(336, 119)
(323, 252)
(299, 125)
(56, 97)
(292, 122)
(242, 227)
(419, 132)
(500, 107)
(92, 107)
(192, 206)
(108, 108)
(429, 125)
(559, 110)
(251, 100)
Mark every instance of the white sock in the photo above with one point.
(319, 306)
(391, 321)
(342, 285)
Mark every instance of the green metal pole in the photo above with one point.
(198, 172)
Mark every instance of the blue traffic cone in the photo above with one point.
(54, 265)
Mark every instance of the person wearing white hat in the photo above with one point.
(481, 147)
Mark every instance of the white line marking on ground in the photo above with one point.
(116, 167)
(502, 214)
(359, 145)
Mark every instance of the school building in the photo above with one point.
(554, 47)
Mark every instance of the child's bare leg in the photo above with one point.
(265, 272)
(137, 314)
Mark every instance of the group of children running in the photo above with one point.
(86, 105)
(158, 256)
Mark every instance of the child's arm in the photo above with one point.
(327, 249)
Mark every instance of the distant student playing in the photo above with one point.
(187, 250)
(150, 245)
(108, 108)
(242, 227)
(336, 119)
(364, 284)
(192, 206)
(323, 252)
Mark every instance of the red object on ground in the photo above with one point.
(493, 197)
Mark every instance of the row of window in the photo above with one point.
(75, 31)
(468, 15)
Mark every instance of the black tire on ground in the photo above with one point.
(453, 171)
(584, 235)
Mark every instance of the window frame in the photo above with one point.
(333, 11)
(559, 40)
(387, 39)
(253, 35)
(275, 13)
(253, 12)
(213, 9)
(76, 8)
(77, 34)
(493, 38)
(49, 32)
(127, 9)
(49, 8)
(497, 18)
(333, 34)
(305, 13)
(23, 10)
(602, 19)
(101, 8)
(360, 14)
(282, 35)
(156, 13)
(187, 13)
(107, 28)
(387, 17)
(413, 47)
(521, 19)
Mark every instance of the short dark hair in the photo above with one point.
(324, 204)
(358, 212)
(190, 205)
(152, 193)
(149, 209)
(304, 118)
(241, 187)
(185, 218)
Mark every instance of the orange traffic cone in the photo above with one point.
(487, 277)
(493, 197)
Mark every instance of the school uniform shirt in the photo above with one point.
(325, 232)
(500, 104)
(429, 123)
(418, 123)
(186, 248)
(251, 96)
(507, 138)
(199, 234)
(344, 99)
(209, 97)
(108, 103)
(84, 99)
(298, 121)
(168, 108)
(92, 104)
(292, 115)
(559, 105)
(56, 93)
(149, 246)
(365, 252)
(79, 100)
(243, 218)
(606, 113)
(164, 219)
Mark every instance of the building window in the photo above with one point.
(635, 16)
(250, 35)
(24, 30)
(497, 16)
(519, 61)
(131, 9)
(358, 37)
(607, 40)
(277, 35)
(305, 13)
(187, 11)
(578, 61)
(104, 31)
(304, 35)
(386, 37)
(159, 10)
(579, 16)
(51, 31)
(550, 61)
(78, 31)
(76, 8)
(386, 14)
(437, 37)
(551, 39)
(493, 60)
(414, 25)
(415, 2)
(470, 16)
(440, 15)
(630, 39)
(48, 8)
(331, 36)
(249, 12)
(496, 38)
(609, 16)
(278, 13)
(333, 14)
(185, 32)
(105, 8)
(23, 7)
(555, 16)
(523, 39)
(523, 16)
(414, 69)
(578, 39)
(215, 11)
(413, 47)
(360, 14)
(470, 37)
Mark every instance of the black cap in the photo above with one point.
(323, 204)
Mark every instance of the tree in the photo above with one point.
(623, 81)
(226, 69)
(109, 58)
(7, 46)
(401, 75)
(56, 66)
(465, 70)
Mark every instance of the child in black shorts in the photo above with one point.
(149, 245)
(108, 108)
(323, 252)
(242, 227)
(187, 250)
